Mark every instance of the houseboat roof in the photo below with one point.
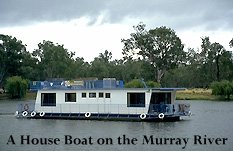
(105, 84)
(99, 89)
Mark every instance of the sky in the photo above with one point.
(89, 27)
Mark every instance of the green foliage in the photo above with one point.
(29, 68)
(224, 88)
(187, 76)
(132, 69)
(211, 63)
(102, 65)
(16, 86)
(161, 47)
(154, 55)
(79, 68)
(11, 54)
(152, 84)
(53, 60)
(231, 43)
(136, 83)
(213, 59)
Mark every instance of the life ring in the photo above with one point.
(33, 114)
(87, 114)
(42, 114)
(161, 115)
(25, 113)
(26, 107)
(16, 113)
(142, 116)
(189, 113)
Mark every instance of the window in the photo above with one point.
(101, 95)
(48, 99)
(135, 99)
(161, 98)
(107, 95)
(159, 101)
(84, 95)
(70, 97)
(92, 95)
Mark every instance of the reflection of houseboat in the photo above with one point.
(108, 101)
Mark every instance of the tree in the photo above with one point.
(132, 69)
(161, 47)
(29, 68)
(224, 88)
(102, 66)
(213, 55)
(226, 66)
(53, 59)
(106, 56)
(186, 76)
(231, 43)
(16, 86)
(11, 54)
(217, 51)
(80, 68)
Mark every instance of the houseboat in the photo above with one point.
(105, 100)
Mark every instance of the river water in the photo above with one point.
(210, 128)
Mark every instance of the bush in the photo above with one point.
(136, 83)
(16, 86)
(152, 84)
(224, 88)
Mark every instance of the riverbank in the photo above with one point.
(29, 96)
(188, 94)
(197, 94)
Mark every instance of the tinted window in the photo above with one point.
(48, 99)
(84, 95)
(101, 95)
(92, 95)
(135, 99)
(107, 95)
(70, 97)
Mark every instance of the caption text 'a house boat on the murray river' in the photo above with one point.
(105, 99)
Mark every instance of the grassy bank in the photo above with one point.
(197, 94)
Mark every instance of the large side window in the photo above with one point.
(48, 99)
(70, 97)
(161, 98)
(135, 99)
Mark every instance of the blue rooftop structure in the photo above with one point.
(81, 84)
